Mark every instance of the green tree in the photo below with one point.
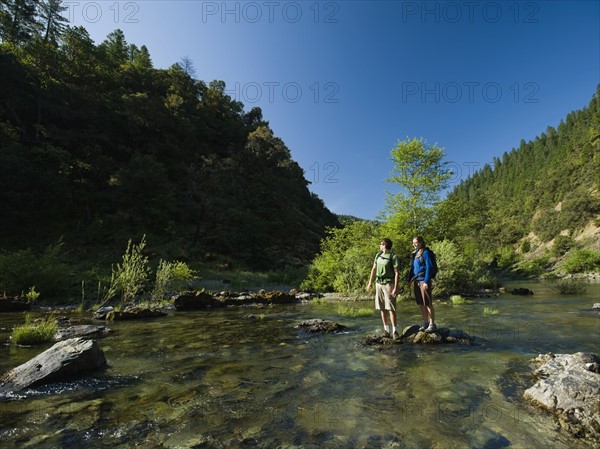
(421, 173)
(18, 21)
(53, 22)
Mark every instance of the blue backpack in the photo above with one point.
(434, 267)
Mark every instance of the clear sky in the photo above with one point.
(342, 81)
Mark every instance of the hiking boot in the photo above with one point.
(431, 328)
(396, 335)
(386, 334)
(423, 326)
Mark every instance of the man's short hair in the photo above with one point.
(388, 243)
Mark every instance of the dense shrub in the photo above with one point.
(562, 244)
(506, 257)
(456, 272)
(171, 277)
(345, 260)
(568, 286)
(21, 270)
(534, 267)
(581, 261)
(547, 225)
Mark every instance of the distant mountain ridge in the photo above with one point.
(545, 188)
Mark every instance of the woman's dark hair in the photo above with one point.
(388, 243)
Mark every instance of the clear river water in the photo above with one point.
(246, 378)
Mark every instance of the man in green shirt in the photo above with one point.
(385, 272)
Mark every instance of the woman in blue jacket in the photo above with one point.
(420, 276)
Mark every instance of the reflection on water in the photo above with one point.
(247, 378)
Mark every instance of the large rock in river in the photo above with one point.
(568, 385)
(65, 360)
(196, 301)
(412, 334)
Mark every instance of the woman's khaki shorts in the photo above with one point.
(383, 297)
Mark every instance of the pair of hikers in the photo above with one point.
(385, 272)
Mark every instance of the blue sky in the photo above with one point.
(342, 81)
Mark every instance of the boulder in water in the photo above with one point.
(65, 360)
(568, 385)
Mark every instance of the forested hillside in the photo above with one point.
(534, 193)
(97, 146)
(536, 211)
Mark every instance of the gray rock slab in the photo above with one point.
(65, 360)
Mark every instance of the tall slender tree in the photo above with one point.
(53, 21)
(18, 21)
(421, 174)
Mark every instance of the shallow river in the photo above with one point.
(226, 379)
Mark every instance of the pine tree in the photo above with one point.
(53, 21)
(18, 21)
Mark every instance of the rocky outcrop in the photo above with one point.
(81, 330)
(128, 313)
(65, 360)
(318, 325)
(196, 301)
(13, 305)
(232, 299)
(411, 334)
(278, 297)
(568, 386)
(202, 300)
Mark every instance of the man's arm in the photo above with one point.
(371, 276)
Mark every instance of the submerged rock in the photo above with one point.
(412, 334)
(568, 385)
(278, 297)
(521, 291)
(318, 325)
(81, 330)
(65, 360)
(128, 313)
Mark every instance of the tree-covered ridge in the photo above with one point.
(536, 211)
(544, 187)
(97, 145)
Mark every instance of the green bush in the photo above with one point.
(562, 244)
(547, 225)
(534, 267)
(34, 333)
(21, 269)
(345, 260)
(171, 277)
(581, 261)
(130, 276)
(455, 272)
(488, 311)
(567, 286)
(506, 256)
(457, 299)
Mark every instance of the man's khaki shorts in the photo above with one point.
(383, 297)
